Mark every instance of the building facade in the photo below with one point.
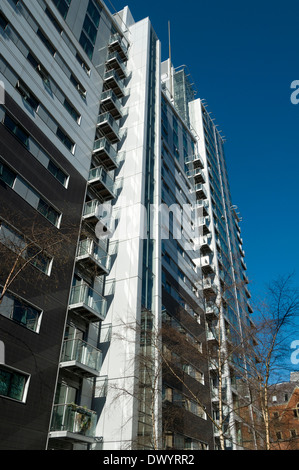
(111, 342)
(284, 414)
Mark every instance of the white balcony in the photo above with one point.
(102, 183)
(81, 358)
(207, 264)
(104, 154)
(93, 257)
(108, 127)
(119, 45)
(114, 61)
(195, 160)
(114, 82)
(88, 303)
(110, 103)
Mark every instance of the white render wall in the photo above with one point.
(118, 420)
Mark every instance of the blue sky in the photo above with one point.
(243, 57)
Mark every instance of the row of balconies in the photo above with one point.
(70, 421)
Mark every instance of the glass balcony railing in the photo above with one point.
(196, 160)
(106, 154)
(200, 191)
(119, 44)
(91, 210)
(116, 62)
(74, 419)
(100, 178)
(109, 127)
(112, 80)
(109, 99)
(82, 353)
(86, 299)
(88, 248)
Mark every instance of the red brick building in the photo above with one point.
(284, 414)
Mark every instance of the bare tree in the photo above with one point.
(273, 321)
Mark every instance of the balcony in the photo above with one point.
(108, 127)
(206, 244)
(206, 264)
(197, 175)
(105, 154)
(88, 303)
(209, 288)
(111, 104)
(200, 191)
(202, 207)
(196, 160)
(102, 183)
(73, 423)
(119, 45)
(115, 62)
(112, 81)
(81, 358)
(93, 257)
(203, 225)
(91, 211)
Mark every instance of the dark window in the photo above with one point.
(62, 6)
(53, 20)
(3, 21)
(46, 42)
(65, 139)
(90, 29)
(7, 175)
(86, 44)
(47, 211)
(57, 172)
(27, 95)
(12, 384)
(75, 115)
(94, 13)
(16, 130)
(20, 311)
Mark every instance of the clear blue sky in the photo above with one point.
(243, 57)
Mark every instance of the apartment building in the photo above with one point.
(109, 343)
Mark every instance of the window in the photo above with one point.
(24, 248)
(296, 411)
(57, 173)
(10, 124)
(87, 45)
(7, 175)
(47, 211)
(46, 42)
(13, 384)
(3, 21)
(90, 29)
(20, 311)
(293, 433)
(62, 6)
(75, 115)
(94, 13)
(65, 139)
(27, 95)
(279, 435)
(53, 20)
